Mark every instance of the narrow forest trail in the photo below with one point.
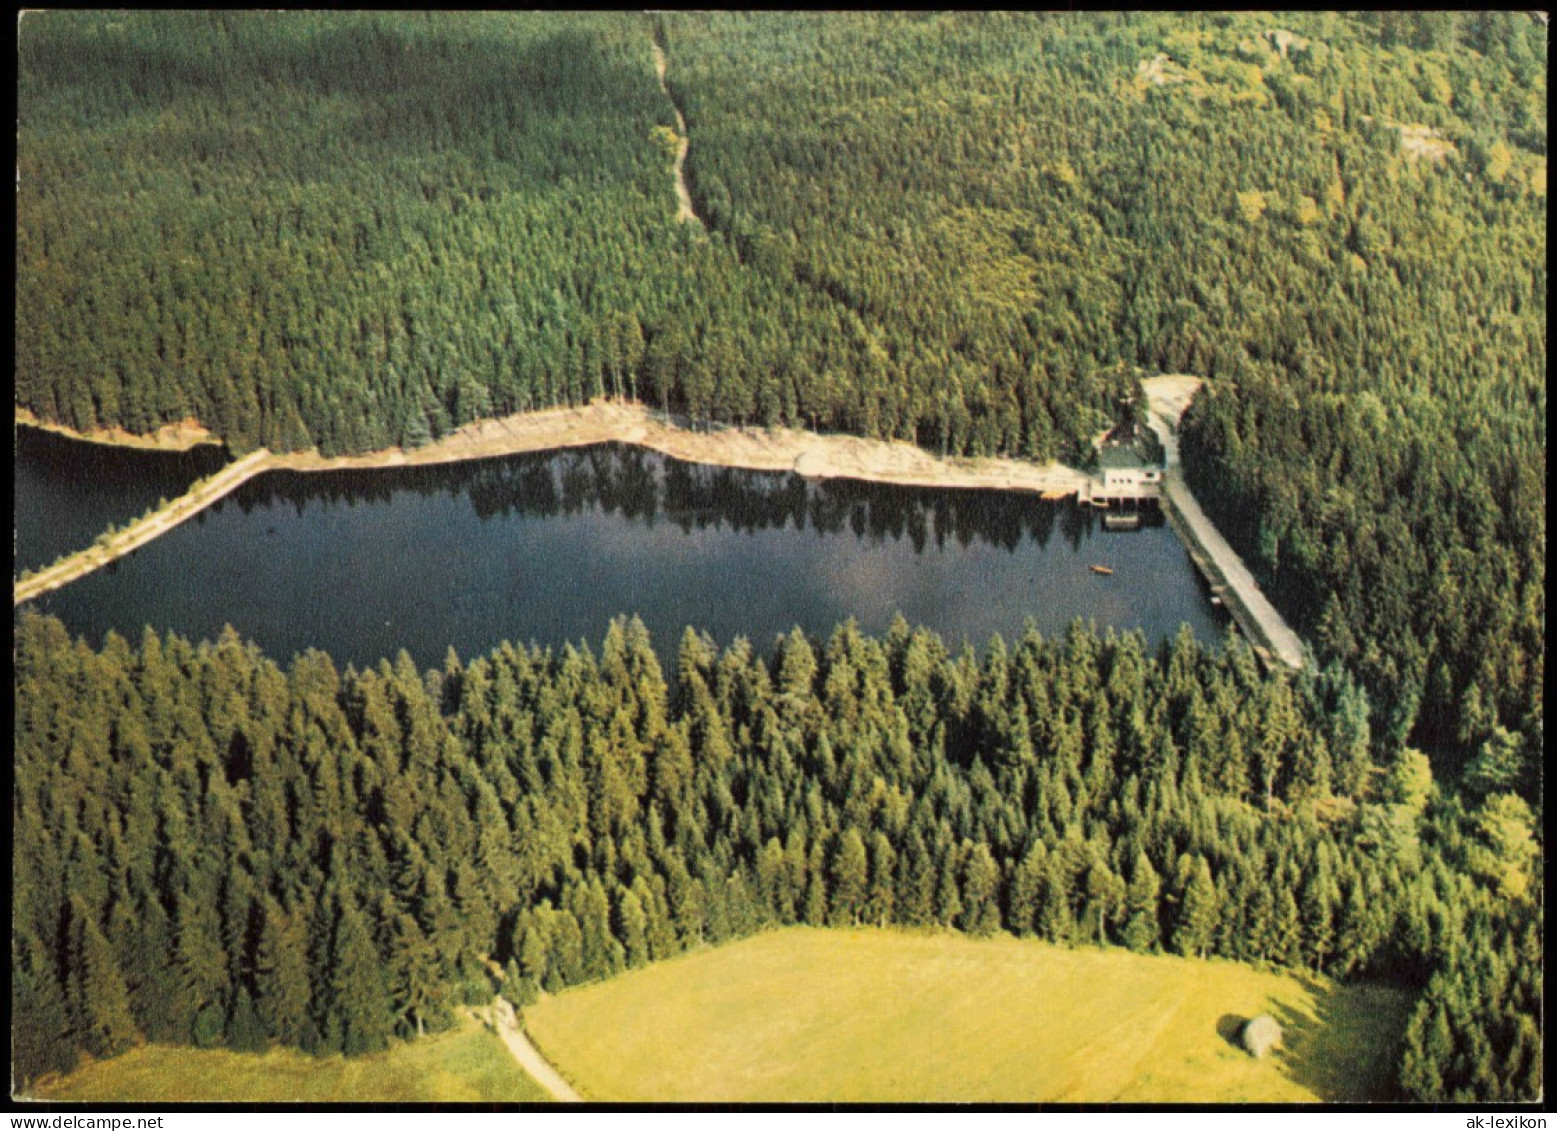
(500, 1015)
(684, 210)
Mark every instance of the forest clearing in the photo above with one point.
(868, 1016)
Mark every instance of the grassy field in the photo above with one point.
(876, 1016)
(466, 1065)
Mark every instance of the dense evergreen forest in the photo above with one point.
(1010, 201)
(359, 230)
(355, 230)
(214, 850)
(352, 230)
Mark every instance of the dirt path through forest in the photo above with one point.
(683, 197)
(500, 1015)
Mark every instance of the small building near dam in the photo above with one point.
(1125, 465)
(1130, 469)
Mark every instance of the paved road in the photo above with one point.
(528, 1056)
(1271, 630)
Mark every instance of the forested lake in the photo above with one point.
(548, 547)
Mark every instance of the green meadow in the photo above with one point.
(465, 1065)
(883, 1016)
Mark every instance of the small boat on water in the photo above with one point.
(1104, 570)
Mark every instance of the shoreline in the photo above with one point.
(808, 454)
(182, 436)
(684, 210)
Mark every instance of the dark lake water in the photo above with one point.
(548, 547)
(68, 491)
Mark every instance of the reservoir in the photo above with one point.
(547, 547)
(68, 491)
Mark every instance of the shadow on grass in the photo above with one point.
(1349, 1050)
(1229, 1027)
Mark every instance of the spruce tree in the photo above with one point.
(1318, 917)
(632, 925)
(948, 898)
(1288, 932)
(338, 970)
(360, 998)
(416, 989)
(916, 881)
(1197, 912)
(815, 908)
(246, 1032)
(1141, 932)
(100, 1003)
(1105, 894)
(202, 972)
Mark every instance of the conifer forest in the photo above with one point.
(975, 233)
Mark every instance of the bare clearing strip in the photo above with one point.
(776, 449)
(683, 197)
(803, 1015)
